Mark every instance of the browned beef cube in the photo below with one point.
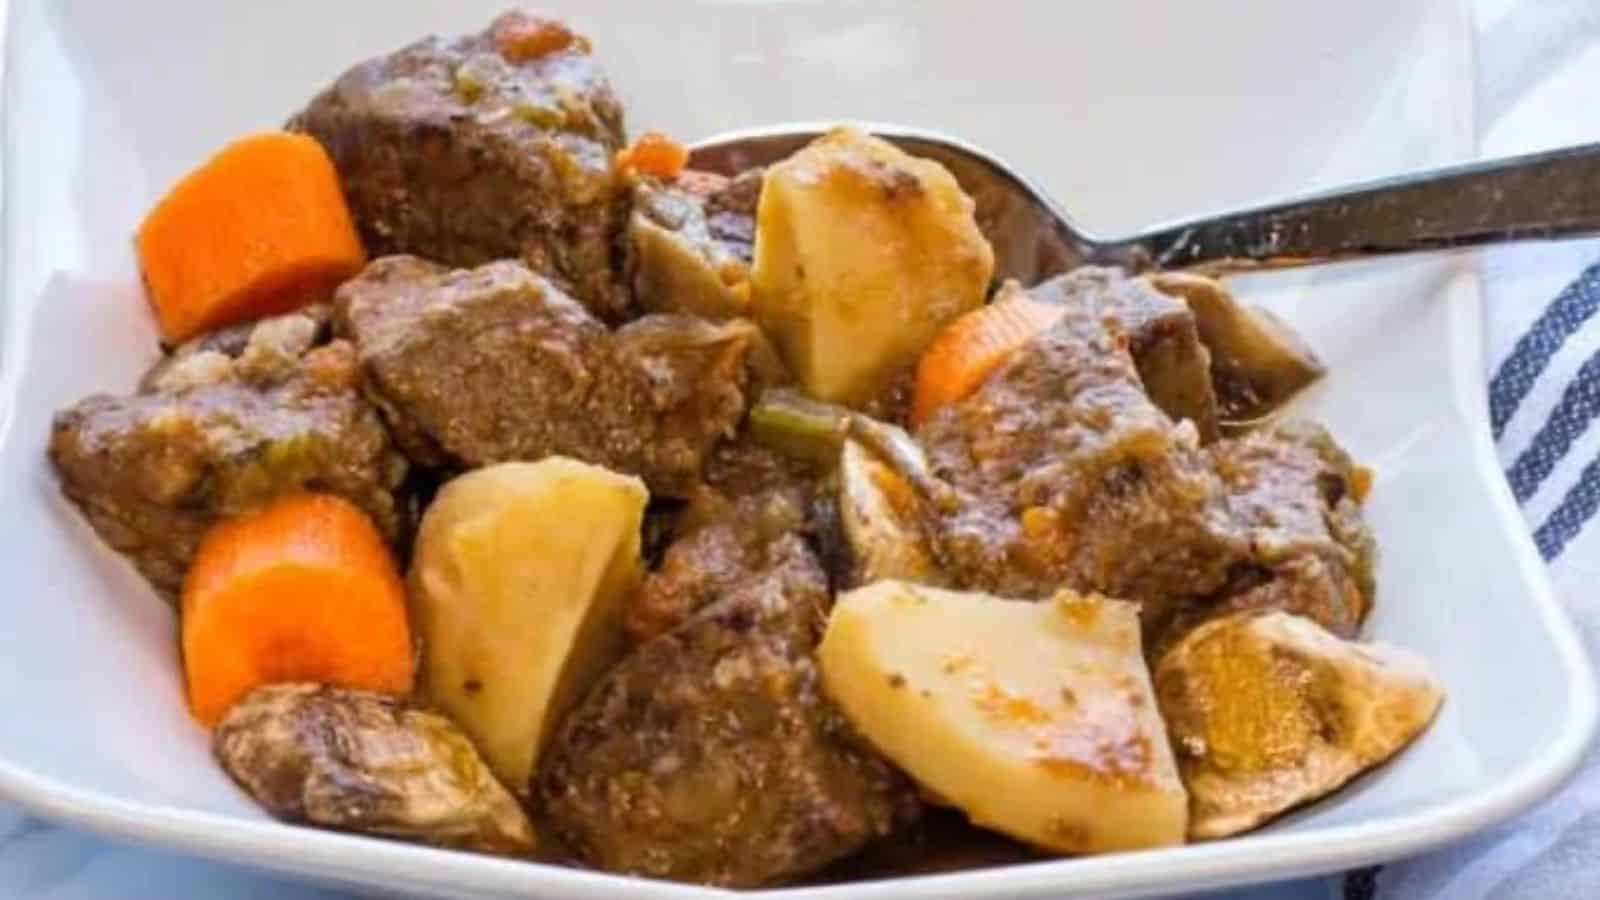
(1295, 494)
(710, 754)
(461, 152)
(1158, 532)
(226, 424)
(712, 556)
(1067, 474)
(1160, 332)
(1068, 471)
(486, 365)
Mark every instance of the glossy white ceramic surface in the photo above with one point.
(1130, 112)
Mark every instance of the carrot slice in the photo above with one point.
(973, 346)
(260, 229)
(523, 37)
(655, 154)
(302, 590)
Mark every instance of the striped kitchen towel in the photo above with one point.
(1538, 87)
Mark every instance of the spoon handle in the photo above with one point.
(1539, 196)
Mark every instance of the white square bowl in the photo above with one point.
(1130, 112)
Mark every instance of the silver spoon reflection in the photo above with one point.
(1540, 196)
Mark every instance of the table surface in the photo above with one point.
(39, 861)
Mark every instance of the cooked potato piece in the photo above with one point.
(1269, 711)
(518, 580)
(1257, 363)
(862, 254)
(1034, 719)
(877, 508)
(361, 761)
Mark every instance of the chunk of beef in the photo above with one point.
(472, 149)
(675, 387)
(221, 428)
(1066, 474)
(690, 243)
(470, 366)
(745, 466)
(711, 755)
(702, 565)
(1160, 331)
(751, 496)
(1158, 532)
(1294, 492)
(485, 365)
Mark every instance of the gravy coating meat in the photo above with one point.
(751, 497)
(223, 426)
(485, 365)
(1158, 532)
(1297, 494)
(701, 566)
(1161, 334)
(495, 145)
(1066, 473)
(710, 754)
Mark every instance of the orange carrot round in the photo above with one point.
(260, 229)
(973, 346)
(302, 590)
(523, 37)
(653, 153)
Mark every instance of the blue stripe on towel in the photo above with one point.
(1579, 405)
(1516, 375)
(1576, 508)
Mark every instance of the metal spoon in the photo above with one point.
(1539, 196)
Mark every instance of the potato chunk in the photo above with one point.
(1034, 719)
(862, 253)
(518, 581)
(1271, 711)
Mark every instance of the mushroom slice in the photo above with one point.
(1270, 711)
(359, 761)
(879, 510)
(1257, 362)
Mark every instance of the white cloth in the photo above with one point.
(1538, 74)
(1538, 84)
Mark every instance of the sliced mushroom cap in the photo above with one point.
(879, 511)
(677, 263)
(358, 761)
(1257, 362)
(1269, 711)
